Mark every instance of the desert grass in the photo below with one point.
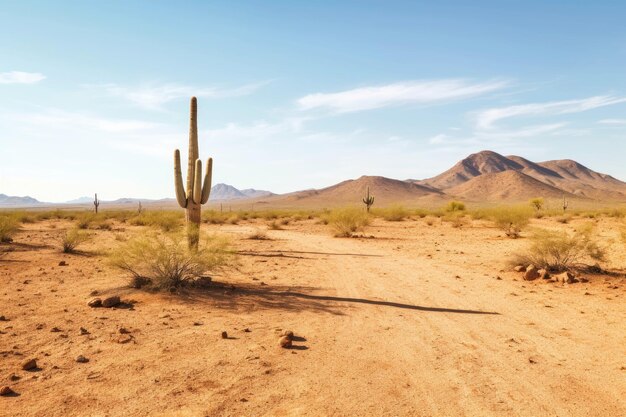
(72, 238)
(258, 234)
(9, 225)
(455, 206)
(394, 213)
(347, 221)
(165, 261)
(511, 220)
(560, 251)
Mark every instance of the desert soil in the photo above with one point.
(418, 321)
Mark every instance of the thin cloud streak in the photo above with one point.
(417, 92)
(153, 97)
(19, 77)
(487, 119)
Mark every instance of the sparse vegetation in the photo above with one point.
(72, 238)
(345, 222)
(9, 225)
(511, 220)
(559, 251)
(537, 203)
(455, 206)
(395, 213)
(166, 261)
(258, 234)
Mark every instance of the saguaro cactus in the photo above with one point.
(565, 203)
(197, 192)
(368, 201)
(96, 203)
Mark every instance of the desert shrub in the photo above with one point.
(511, 220)
(395, 213)
(536, 203)
(560, 251)
(258, 234)
(214, 217)
(9, 225)
(430, 220)
(166, 220)
(455, 206)
(564, 219)
(344, 222)
(72, 238)
(456, 219)
(166, 261)
(273, 225)
(85, 220)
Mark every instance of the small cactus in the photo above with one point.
(198, 191)
(368, 200)
(96, 203)
(565, 203)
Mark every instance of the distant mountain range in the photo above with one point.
(481, 177)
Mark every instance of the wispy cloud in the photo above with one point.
(155, 96)
(19, 77)
(418, 92)
(57, 119)
(612, 122)
(486, 119)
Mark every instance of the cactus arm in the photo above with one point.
(197, 182)
(206, 187)
(178, 180)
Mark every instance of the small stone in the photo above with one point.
(111, 301)
(566, 278)
(3, 318)
(62, 263)
(531, 274)
(14, 377)
(124, 339)
(124, 330)
(224, 335)
(197, 323)
(82, 359)
(83, 331)
(246, 330)
(55, 330)
(94, 293)
(519, 268)
(96, 302)
(544, 274)
(288, 333)
(285, 342)
(29, 365)
(6, 391)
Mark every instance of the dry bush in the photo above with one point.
(559, 251)
(456, 219)
(273, 225)
(214, 217)
(259, 234)
(72, 238)
(344, 222)
(564, 219)
(537, 203)
(455, 206)
(511, 220)
(166, 220)
(395, 213)
(166, 261)
(9, 225)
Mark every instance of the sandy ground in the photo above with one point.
(418, 321)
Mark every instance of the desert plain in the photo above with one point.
(415, 317)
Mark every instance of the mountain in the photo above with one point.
(13, 201)
(475, 177)
(228, 192)
(350, 192)
(80, 200)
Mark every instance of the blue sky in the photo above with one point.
(294, 95)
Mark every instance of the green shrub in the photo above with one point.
(72, 238)
(559, 251)
(9, 225)
(166, 261)
(345, 222)
(455, 206)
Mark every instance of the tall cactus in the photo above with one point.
(197, 192)
(368, 201)
(96, 203)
